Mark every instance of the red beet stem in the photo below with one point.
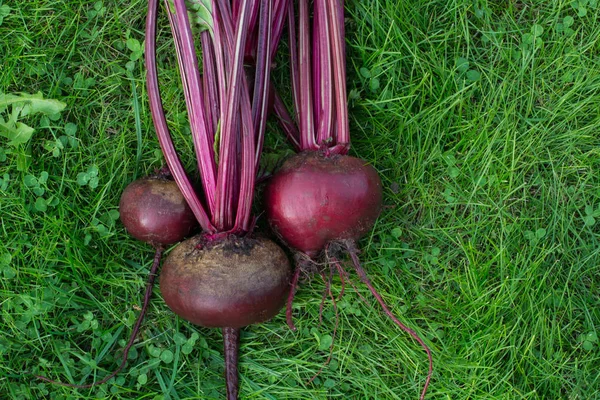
(363, 276)
(231, 344)
(134, 332)
(288, 310)
(335, 327)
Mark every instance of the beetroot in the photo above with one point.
(315, 199)
(154, 211)
(232, 282)
(223, 277)
(323, 201)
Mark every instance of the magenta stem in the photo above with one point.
(294, 66)
(306, 113)
(195, 102)
(285, 120)
(290, 299)
(160, 124)
(339, 75)
(262, 77)
(363, 276)
(225, 177)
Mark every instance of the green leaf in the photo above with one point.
(589, 220)
(203, 14)
(325, 342)
(166, 356)
(40, 204)
(187, 349)
(70, 129)
(142, 379)
(83, 178)
(9, 272)
(568, 21)
(537, 30)
(179, 339)
(134, 45)
(33, 103)
(4, 11)
(462, 64)
(43, 177)
(93, 183)
(17, 134)
(30, 180)
(473, 75)
(92, 170)
(374, 84)
(540, 233)
(5, 259)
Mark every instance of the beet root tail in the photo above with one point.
(351, 248)
(231, 346)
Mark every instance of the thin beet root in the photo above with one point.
(351, 249)
(231, 344)
(134, 332)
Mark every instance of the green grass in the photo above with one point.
(482, 118)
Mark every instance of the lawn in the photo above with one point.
(483, 120)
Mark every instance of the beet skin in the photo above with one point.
(232, 282)
(315, 199)
(154, 211)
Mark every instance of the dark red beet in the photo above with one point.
(315, 199)
(231, 282)
(153, 210)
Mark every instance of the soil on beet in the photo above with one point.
(233, 282)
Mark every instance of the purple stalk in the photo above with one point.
(195, 102)
(339, 75)
(323, 75)
(262, 77)
(280, 7)
(160, 124)
(285, 120)
(223, 216)
(294, 67)
(306, 120)
(209, 84)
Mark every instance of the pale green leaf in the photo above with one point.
(18, 133)
(34, 103)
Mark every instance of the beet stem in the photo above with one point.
(285, 120)
(231, 344)
(363, 276)
(134, 332)
(335, 328)
(160, 122)
(290, 300)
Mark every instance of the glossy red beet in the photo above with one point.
(230, 283)
(153, 210)
(315, 199)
